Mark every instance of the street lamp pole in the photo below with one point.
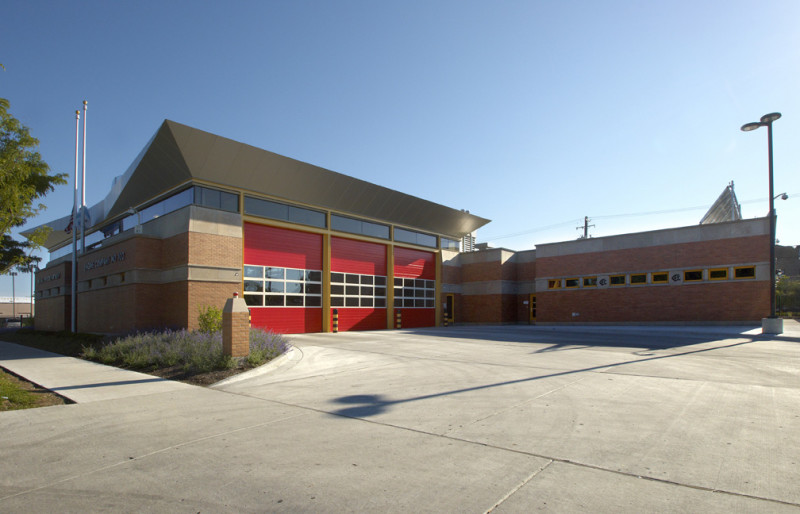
(766, 121)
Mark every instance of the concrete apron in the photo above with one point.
(506, 419)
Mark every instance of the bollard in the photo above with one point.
(335, 321)
(445, 320)
(398, 320)
(236, 327)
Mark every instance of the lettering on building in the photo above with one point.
(50, 278)
(104, 261)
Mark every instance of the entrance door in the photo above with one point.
(532, 308)
(449, 311)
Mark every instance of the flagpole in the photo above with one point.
(83, 185)
(74, 230)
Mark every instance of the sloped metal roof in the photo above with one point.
(726, 208)
(179, 153)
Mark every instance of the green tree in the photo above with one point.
(787, 294)
(209, 319)
(24, 179)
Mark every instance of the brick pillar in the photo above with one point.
(235, 327)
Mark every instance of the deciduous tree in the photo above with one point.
(24, 179)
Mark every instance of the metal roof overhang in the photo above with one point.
(179, 153)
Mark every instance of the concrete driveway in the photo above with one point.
(459, 419)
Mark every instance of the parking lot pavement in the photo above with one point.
(468, 419)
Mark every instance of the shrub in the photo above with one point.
(264, 346)
(210, 319)
(193, 351)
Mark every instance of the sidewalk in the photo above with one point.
(79, 380)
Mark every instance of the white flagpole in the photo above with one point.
(83, 185)
(74, 227)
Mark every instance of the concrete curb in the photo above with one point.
(290, 358)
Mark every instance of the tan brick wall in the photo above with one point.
(207, 293)
(109, 310)
(53, 314)
(53, 311)
(215, 250)
(139, 252)
(236, 333)
(175, 251)
(112, 305)
(173, 303)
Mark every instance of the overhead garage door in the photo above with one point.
(415, 287)
(358, 284)
(283, 279)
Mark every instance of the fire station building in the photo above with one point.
(197, 216)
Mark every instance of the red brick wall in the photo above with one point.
(483, 308)
(486, 271)
(729, 301)
(521, 312)
(704, 253)
(451, 274)
(526, 271)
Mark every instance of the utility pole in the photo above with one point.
(585, 228)
(13, 295)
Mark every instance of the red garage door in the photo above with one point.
(283, 279)
(358, 284)
(415, 287)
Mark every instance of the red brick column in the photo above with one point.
(235, 327)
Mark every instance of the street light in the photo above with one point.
(766, 121)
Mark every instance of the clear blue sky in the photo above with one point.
(533, 114)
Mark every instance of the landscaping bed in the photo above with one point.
(193, 357)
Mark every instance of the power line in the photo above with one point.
(626, 215)
(531, 231)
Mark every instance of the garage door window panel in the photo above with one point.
(270, 286)
(347, 291)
